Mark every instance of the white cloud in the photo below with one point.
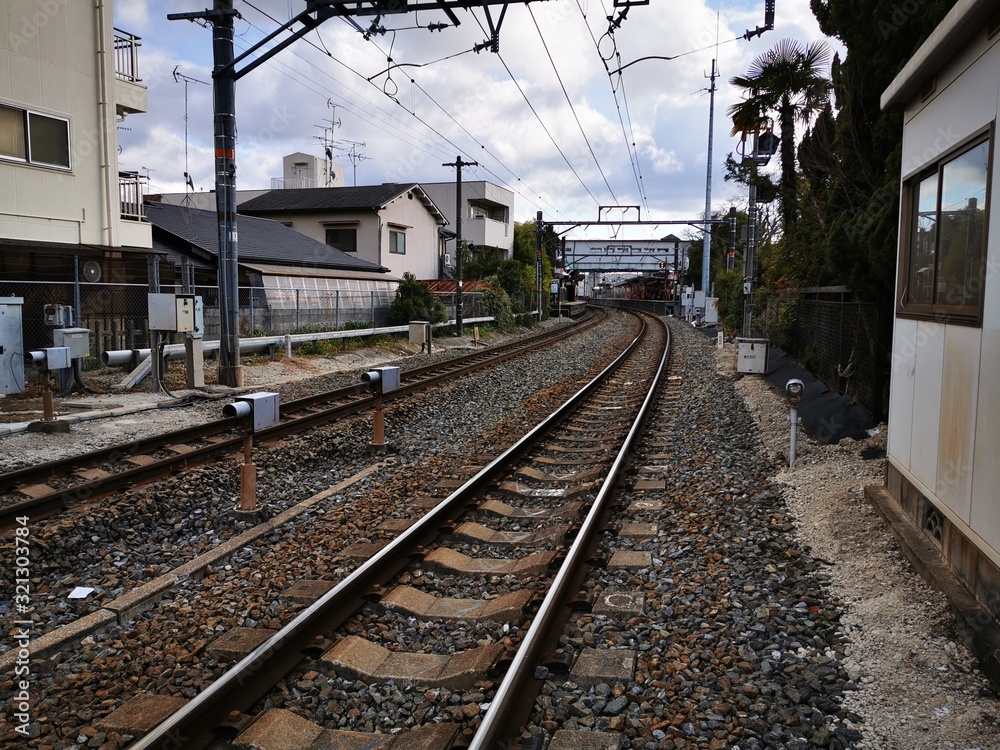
(467, 104)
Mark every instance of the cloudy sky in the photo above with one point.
(543, 118)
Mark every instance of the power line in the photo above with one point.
(440, 135)
(629, 136)
(571, 107)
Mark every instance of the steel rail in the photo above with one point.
(62, 466)
(420, 379)
(199, 723)
(504, 716)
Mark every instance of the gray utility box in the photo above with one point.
(420, 331)
(751, 356)
(383, 379)
(11, 346)
(172, 312)
(711, 311)
(77, 340)
(266, 408)
(57, 358)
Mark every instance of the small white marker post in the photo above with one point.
(793, 391)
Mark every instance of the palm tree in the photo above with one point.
(789, 80)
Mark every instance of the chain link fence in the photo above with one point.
(836, 338)
(116, 314)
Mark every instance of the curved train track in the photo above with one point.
(552, 493)
(44, 489)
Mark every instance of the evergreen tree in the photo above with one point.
(861, 206)
(789, 80)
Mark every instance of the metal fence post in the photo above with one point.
(252, 326)
(336, 310)
(298, 312)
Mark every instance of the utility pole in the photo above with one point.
(538, 261)
(224, 94)
(731, 252)
(458, 164)
(706, 255)
(749, 259)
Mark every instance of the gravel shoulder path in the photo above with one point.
(918, 685)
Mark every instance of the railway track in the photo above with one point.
(42, 490)
(551, 493)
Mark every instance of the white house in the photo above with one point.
(395, 226)
(943, 467)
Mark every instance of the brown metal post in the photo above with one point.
(378, 421)
(248, 476)
(48, 413)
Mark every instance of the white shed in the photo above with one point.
(943, 464)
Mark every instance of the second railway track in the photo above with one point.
(42, 489)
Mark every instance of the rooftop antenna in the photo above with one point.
(352, 154)
(178, 77)
(327, 140)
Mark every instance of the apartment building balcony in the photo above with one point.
(130, 92)
(483, 231)
(133, 229)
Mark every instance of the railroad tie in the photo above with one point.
(362, 659)
(496, 508)
(412, 601)
(281, 729)
(579, 477)
(477, 533)
(444, 560)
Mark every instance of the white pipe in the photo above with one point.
(791, 449)
(123, 357)
(176, 351)
(107, 125)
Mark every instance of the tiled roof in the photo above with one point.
(369, 197)
(179, 228)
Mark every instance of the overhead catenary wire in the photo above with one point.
(442, 153)
(569, 101)
(630, 135)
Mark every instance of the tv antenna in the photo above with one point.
(327, 140)
(178, 77)
(352, 154)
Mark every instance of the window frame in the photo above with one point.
(327, 228)
(393, 235)
(27, 159)
(969, 315)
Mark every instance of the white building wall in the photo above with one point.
(408, 215)
(483, 232)
(411, 216)
(944, 409)
(50, 63)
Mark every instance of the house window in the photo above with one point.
(397, 242)
(344, 239)
(34, 138)
(943, 264)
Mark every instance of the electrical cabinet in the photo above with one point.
(57, 358)
(11, 346)
(172, 312)
(77, 340)
(751, 355)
